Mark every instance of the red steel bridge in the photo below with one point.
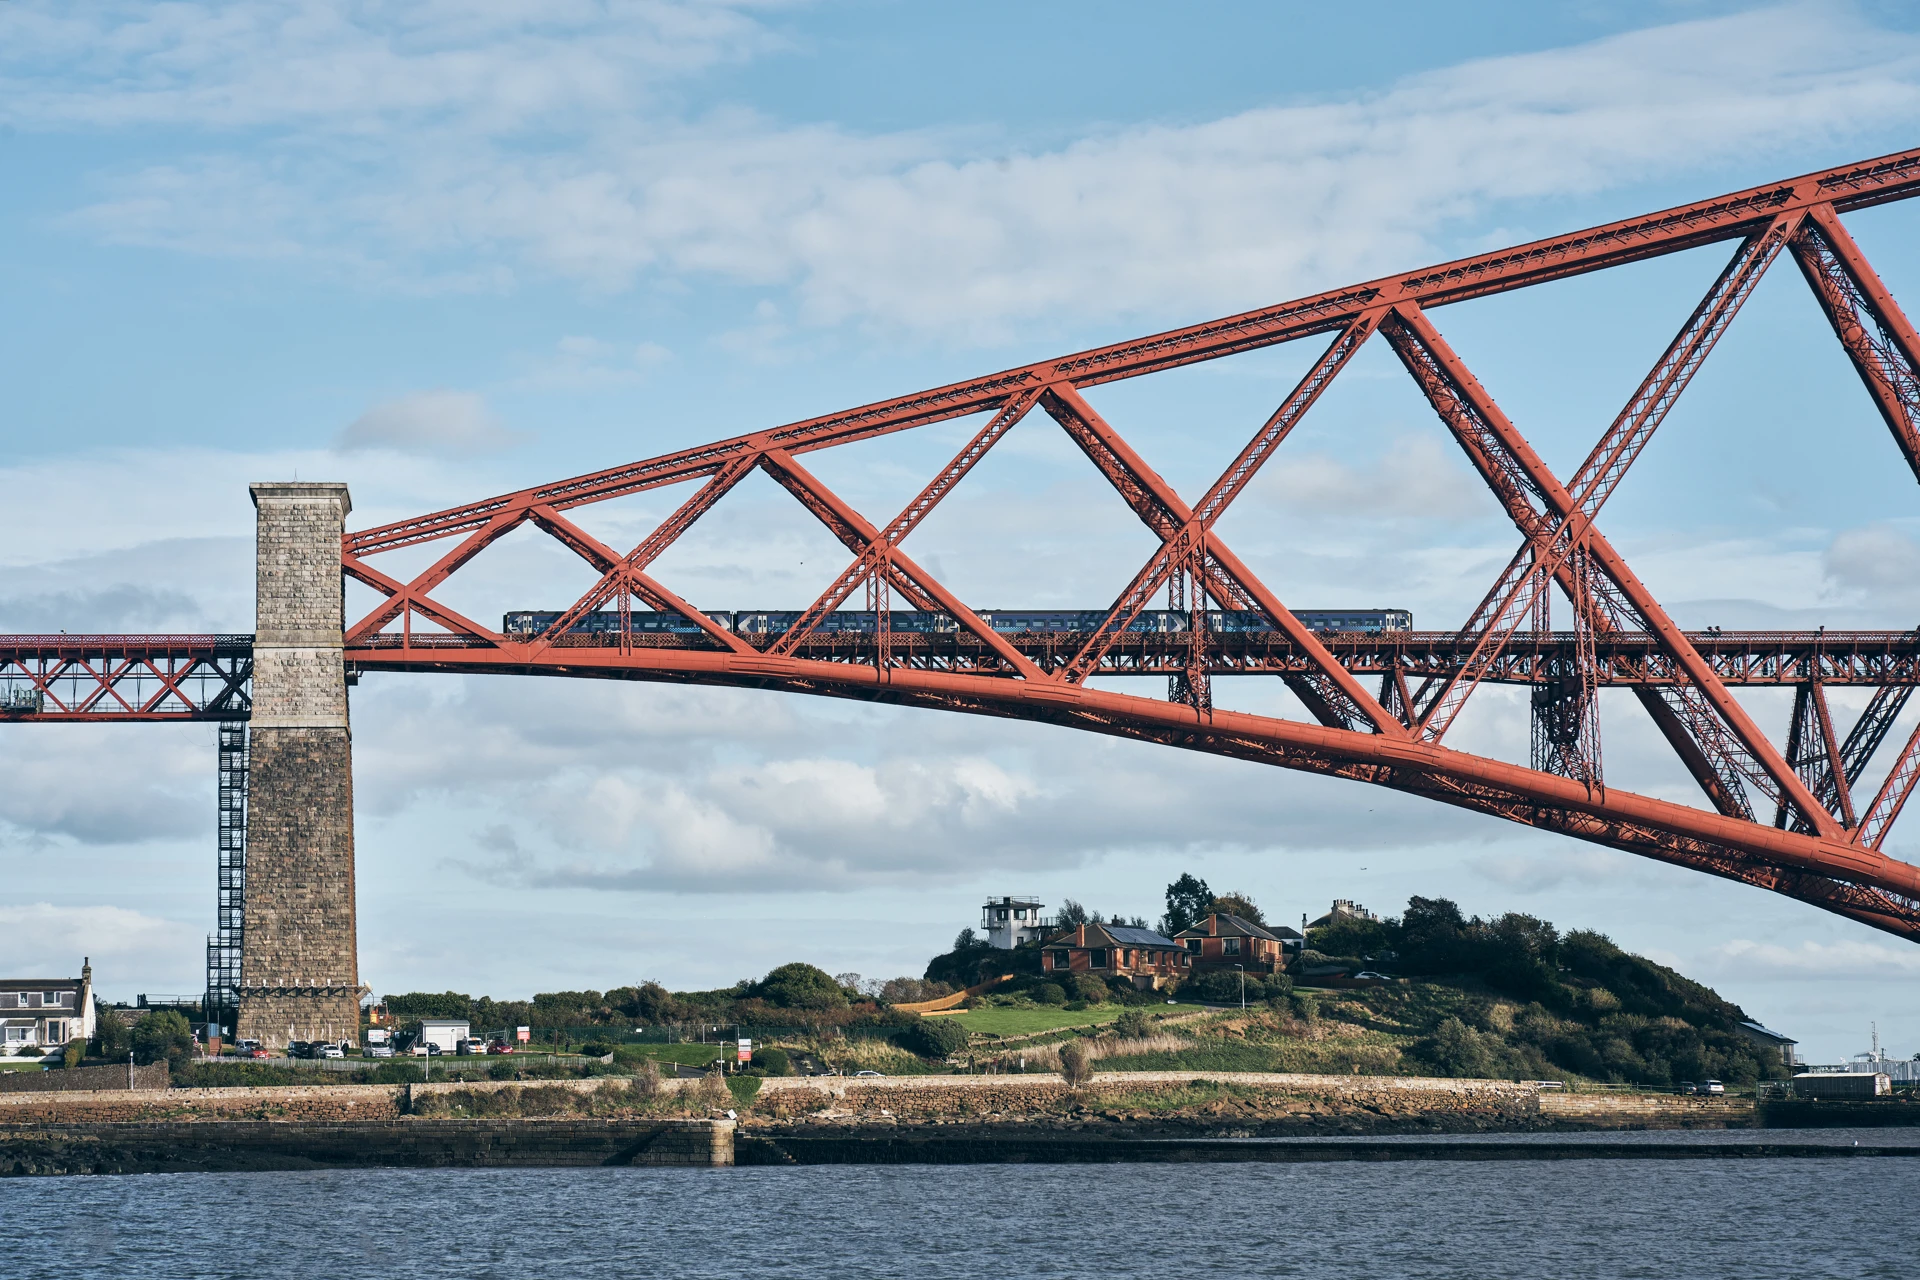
(1786, 816)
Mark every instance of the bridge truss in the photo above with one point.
(1785, 818)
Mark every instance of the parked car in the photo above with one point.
(858, 1074)
(257, 1052)
(1684, 1088)
(1710, 1088)
(299, 1049)
(1368, 973)
(328, 1051)
(377, 1051)
(499, 1046)
(471, 1046)
(246, 1046)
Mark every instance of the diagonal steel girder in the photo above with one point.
(1552, 539)
(1520, 477)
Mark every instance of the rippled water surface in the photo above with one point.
(1570, 1218)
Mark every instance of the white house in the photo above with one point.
(46, 1012)
(1010, 921)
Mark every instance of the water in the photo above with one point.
(1755, 1218)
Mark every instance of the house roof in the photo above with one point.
(39, 984)
(1112, 935)
(1775, 1036)
(1128, 936)
(1228, 926)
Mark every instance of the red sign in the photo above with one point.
(746, 1050)
(523, 1034)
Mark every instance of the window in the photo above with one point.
(1060, 959)
(1003, 913)
(56, 1033)
(1097, 958)
(51, 999)
(1233, 946)
(16, 1034)
(1193, 945)
(23, 999)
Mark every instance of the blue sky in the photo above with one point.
(448, 250)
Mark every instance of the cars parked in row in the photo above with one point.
(1700, 1088)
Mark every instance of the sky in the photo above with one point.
(442, 251)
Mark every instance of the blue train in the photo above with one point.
(773, 622)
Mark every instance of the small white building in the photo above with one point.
(46, 1012)
(445, 1033)
(1007, 922)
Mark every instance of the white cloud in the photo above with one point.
(1848, 957)
(40, 939)
(1418, 477)
(432, 423)
(1880, 561)
(397, 150)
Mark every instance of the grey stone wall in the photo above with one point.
(300, 971)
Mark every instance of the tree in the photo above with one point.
(968, 940)
(1236, 904)
(1072, 913)
(800, 986)
(162, 1033)
(110, 1038)
(1187, 901)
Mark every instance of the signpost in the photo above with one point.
(523, 1034)
(746, 1051)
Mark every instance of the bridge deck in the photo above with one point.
(206, 677)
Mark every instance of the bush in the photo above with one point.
(596, 1048)
(933, 1038)
(743, 1089)
(773, 1061)
(646, 1079)
(713, 1090)
(1132, 1024)
(1076, 1064)
(1091, 989)
(1050, 993)
(74, 1054)
(1222, 986)
(31, 1051)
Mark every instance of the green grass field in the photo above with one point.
(19, 1064)
(687, 1055)
(1023, 1022)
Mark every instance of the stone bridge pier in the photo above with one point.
(299, 964)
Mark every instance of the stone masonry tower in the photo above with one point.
(299, 964)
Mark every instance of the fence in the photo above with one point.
(717, 1034)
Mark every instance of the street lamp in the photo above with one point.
(1243, 986)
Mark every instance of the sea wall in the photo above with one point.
(86, 1079)
(291, 1102)
(240, 1145)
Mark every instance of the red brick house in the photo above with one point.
(1143, 957)
(1221, 941)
